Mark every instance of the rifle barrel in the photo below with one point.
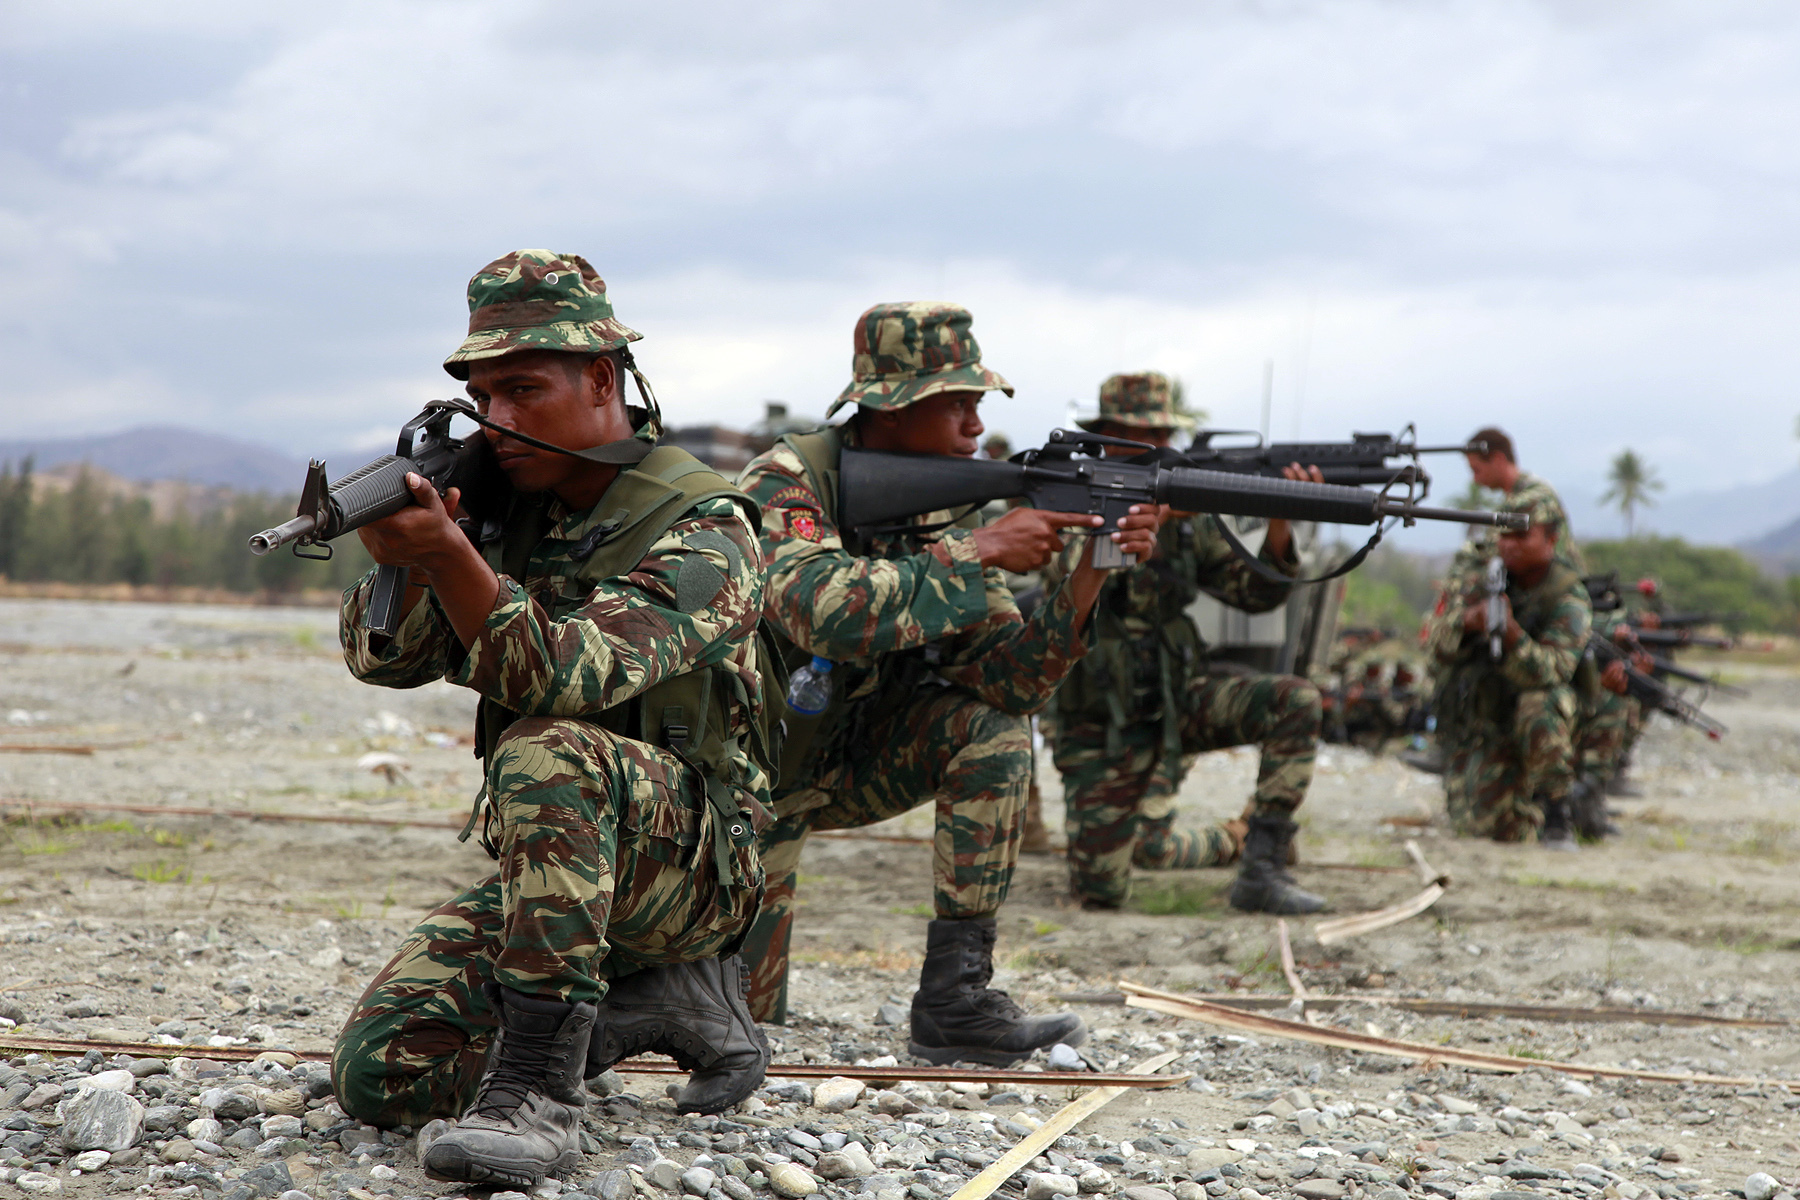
(1505, 520)
(282, 534)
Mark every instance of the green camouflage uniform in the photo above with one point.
(936, 672)
(1609, 722)
(604, 842)
(1134, 712)
(1508, 727)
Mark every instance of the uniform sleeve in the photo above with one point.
(1013, 664)
(1223, 575)
(834, 604)
(420, 651)
(696, 594)
(1551, 658)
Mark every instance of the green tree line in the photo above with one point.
(85, 535)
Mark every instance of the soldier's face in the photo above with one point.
(557, 398)
(947, 423)
(1529, 552)
(1489, 472)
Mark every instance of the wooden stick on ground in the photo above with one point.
(1341, 928)
(1175, 1005)
(993, 1176)
(1255, 1001)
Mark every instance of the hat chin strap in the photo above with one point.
(624, 452)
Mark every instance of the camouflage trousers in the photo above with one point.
(1496, 773)
(1604, 733)
(606, 866)
(945, 746)
(1121, 806)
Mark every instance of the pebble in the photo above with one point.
(837, 1094)
(1761, 1186)
(37, 1181)
(792, 1180)
(110, 1081)
(612, 1185)
(1147, 1193)
(1211, 1158)
(852, 1162)
(90, 1160)
(205, 1129)
(1320, 1189)
(733, 1187)
(1093, 1181)
(179, 1150)
(891, 1014)
(1045, 1185)
(697, 1181)
(97, 1119)
(664, 1173)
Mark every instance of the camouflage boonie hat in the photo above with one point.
(537, 300)
(906, 352)
(1145, 400)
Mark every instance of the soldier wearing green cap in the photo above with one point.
(608, 624)
(933, 672)
(1134, 712)
(1507, 722)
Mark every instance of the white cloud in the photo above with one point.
(1576, 219)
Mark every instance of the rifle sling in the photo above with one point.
(1273, 576)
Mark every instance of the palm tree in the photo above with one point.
(1630, 483)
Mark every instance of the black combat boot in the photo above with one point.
(1263, 883)
(1558, 831)
(697, 1013)
(957, 1017)
(1587, 810)
(525, 1122)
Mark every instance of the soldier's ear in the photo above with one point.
(602, 373)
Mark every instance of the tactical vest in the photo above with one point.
(903, 672)
(1110, 683)
(687, 714)
(1476, 691)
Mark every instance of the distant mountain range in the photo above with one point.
(168, 452)
(1742, 516)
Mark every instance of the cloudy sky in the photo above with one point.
(1575, 219)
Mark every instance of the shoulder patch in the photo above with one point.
(794, 496)
(803, 524)
(696, 583)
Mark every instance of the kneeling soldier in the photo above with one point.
(934, 672)
(608, 623)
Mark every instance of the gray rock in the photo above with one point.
(1761, 1186)
(294, 1194)
(143, 1068)
(792, 1180)
(91, 1160)
(1064, 1058)
(852, 1162)
(163, 1118)
(205, 1129)
(1210, 1158)
(1143, 1192)
(1187, 1189)
(12, 1012)
(1320, 1189)
(697, 1181)
(891, 1014)
(613, 1185)
(664, 1173)
(42, 1094)
(508, 1196)
(87, 1007)
(837, 1094)
(246, 1138)
(97, 1119)
(270, 1179)
(37, 1181)
(179, 1150)
(1046, 1185)
(801, 1138)
(641, 1152)
(734, 1187)
(790, 1089)
(359, 1135)
(1094, 1181)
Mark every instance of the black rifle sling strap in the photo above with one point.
(623, 453)
(1273, 576)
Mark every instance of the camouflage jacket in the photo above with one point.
(1145, 643)
(1555, 617)
(885, 608)
(1472, 558)
(555, 647)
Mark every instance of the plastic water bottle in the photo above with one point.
(809, 688)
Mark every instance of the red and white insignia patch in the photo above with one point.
(803, 524)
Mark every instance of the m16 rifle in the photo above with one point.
(378, 489)
(1367, 458)
(1650, 693)
(1071, 473)
(1672, 638)
(1494, 585)
(1662, 668)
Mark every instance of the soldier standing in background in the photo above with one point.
(933, 672)
(627, 861)
(1144, 698)
(1507, 725)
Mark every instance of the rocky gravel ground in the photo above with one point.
(204, 933)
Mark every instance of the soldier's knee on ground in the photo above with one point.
(1303, 705)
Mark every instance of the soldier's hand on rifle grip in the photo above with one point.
(417, 532)
(1280, 532)
(1026, 538)
(1613, 677)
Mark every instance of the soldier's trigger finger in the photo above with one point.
(1071, 520)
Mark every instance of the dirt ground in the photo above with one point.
(265, 931)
